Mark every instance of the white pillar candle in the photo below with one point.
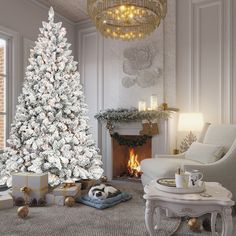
(153, 100)
(141, 106)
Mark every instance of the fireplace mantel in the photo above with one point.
(162, 143)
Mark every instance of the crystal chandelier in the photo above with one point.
(126, 19)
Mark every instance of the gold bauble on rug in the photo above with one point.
(194, 224)
(70, 201)
(23, 211)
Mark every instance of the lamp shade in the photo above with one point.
(190, 122)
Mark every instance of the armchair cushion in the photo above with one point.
(204, 153)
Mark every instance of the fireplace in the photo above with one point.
(115, 154)
(126, 160)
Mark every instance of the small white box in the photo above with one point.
(6, 201)
(37, 183)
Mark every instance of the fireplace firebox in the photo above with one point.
(126, 160)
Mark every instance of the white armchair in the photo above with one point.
(222, 170)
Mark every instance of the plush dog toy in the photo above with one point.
(103, 191)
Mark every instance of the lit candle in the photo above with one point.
(141, 106)
(153, 100)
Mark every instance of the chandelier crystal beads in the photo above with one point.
(126, 19)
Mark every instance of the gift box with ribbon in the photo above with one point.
(29, 185)
(6, 201)
(67, 190)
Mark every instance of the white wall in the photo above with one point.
(206, 58)
(233, 107)
(24, 17)
(101, 67)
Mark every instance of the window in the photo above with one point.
(4, 77)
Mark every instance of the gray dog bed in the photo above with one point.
(102, 204)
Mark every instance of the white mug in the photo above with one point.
(181, 180)
(195, 176)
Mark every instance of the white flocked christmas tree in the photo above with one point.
(50, 132)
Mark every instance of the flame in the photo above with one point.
(133, 164)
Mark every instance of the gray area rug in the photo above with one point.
(125, 219)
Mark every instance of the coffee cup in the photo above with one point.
(194, 178)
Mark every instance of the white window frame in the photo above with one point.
(7, 84)
(12, 71)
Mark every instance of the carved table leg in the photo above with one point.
(149, 211)
(227, 222)
(158, 217)
(213, 223)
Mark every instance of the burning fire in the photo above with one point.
(133, 164)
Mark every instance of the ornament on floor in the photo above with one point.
(194, 224)
(70, 201)
(50, 132)
(23, 211)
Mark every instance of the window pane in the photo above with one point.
(2, 56)
(2, 93)
(2, 131)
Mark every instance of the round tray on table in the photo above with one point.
(168, 185)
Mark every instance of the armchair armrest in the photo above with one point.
(178, 156)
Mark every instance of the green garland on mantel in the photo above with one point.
(112, 116)
(128, 115)
(130, 142)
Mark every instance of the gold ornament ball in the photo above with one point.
(23, 211)
(194, 224)
(70, 201)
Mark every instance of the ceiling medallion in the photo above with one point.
(126, 19)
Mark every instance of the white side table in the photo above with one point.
(192, 205)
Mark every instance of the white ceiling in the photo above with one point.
(74, 10)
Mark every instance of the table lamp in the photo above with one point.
(189, 122)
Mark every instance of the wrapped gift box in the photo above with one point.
(37, 183)
(67, 190)
(6, 201)
(51, 199)
(60, 200)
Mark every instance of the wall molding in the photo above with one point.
(83, 33)
(225, 56)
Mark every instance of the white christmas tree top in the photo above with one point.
(50, 132)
